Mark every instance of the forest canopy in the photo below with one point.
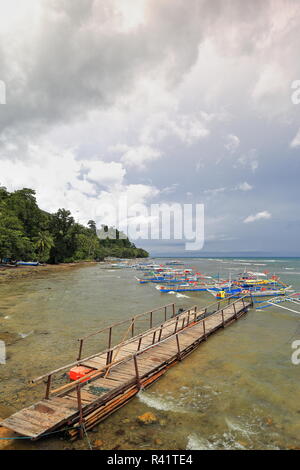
(30, 234)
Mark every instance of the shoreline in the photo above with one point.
(24, 272)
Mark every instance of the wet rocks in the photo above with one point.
(9, 338)
(158, 442)
(269, 421)
(97, 444)
(147, 418)
(6, 433)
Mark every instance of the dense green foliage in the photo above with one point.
(28, 233)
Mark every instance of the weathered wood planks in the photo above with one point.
(139, 362)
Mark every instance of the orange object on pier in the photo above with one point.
(79, 371)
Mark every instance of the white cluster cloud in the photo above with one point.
(296, 140)
(138, 156)
(232, 143)
(82, 186)
(244, 186)
(248, 160)
(258, 216)
(240, 187)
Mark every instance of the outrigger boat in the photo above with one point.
(174, 263)
(170, 276)
(239, 292)
(290, 302)
(189, 287)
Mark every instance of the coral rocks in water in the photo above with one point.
(147, 418)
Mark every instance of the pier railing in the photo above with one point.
(180, 322)
(131, 324)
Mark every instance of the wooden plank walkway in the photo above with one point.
(121, 371)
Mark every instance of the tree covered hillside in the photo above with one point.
(29, 233)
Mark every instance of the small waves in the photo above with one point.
(24, 335)
(159, 403)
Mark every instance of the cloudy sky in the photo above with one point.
(158, 101)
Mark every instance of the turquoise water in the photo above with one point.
(238, 390)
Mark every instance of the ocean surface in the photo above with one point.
(239, 390)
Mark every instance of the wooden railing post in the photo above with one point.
(138, 382)
(165, 313)
(109, 353)
(173, 309)
(153, 339)
(132, 327)
(160, 333)
(204, 330)
(178, 348)
(140, 342)
(176, 324)
(48, 387)
(195, 314)
(80, 350)
(151, 319)
(234, 309)
(79, 404)
(223, 321)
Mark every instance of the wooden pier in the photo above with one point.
(120, 371)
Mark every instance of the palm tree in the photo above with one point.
(43, 244)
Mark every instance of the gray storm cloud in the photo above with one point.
(71, 57)
(156, 94)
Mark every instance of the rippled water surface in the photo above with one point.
(238, 390)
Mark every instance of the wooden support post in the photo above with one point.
(173, 309)
(183, 322)
(223, 321)
(188, 318)
(48, 387)
(178, 348)
(132, 327)
(79, 404)
(165, 313)
(218, 306)
(140, 342)
(136, 372)
(80, 350)
(151, 319)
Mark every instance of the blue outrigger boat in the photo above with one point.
(27, 263)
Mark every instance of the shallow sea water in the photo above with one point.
(238, 390)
